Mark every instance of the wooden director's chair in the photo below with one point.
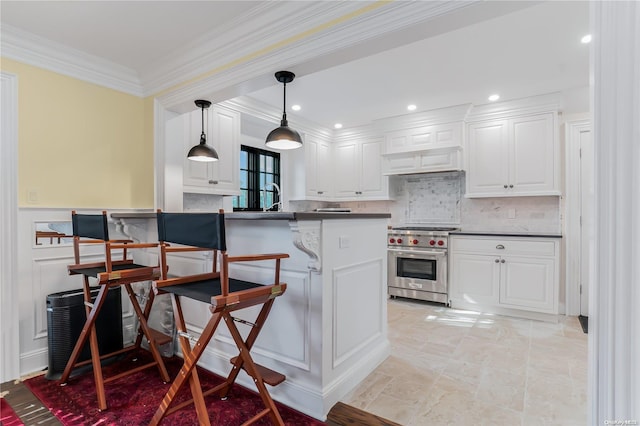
(92, 229)
(206, 232)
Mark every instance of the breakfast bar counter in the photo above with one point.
(329, 330)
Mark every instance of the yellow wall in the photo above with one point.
(80, 144)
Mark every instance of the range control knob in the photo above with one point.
(432, 242)
(399, 240)
(440, 243)
(392, 240)
(415, 242)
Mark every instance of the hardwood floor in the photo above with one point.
(26, 405)
(32, 412)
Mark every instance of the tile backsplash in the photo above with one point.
(438, 198)
(433, 198)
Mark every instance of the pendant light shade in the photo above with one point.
(284, 137)
(202, 151)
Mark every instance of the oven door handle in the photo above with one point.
(419, 252)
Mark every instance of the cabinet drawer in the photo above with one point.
(490, 245)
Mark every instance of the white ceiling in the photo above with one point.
(532, 50)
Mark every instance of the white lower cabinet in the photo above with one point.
(505, 274)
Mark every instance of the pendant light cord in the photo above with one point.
(284, 104)
(202, 135)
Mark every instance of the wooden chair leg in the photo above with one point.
(147, 332)
(188, 370)
(89, 332)
(250, 366)
(251, 338)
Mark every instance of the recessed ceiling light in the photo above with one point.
(337, 126)
(296, 107)
(411, 107)
(494, 98)
(586, 39)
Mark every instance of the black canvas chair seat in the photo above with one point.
(205, 290)
(92, 229)
(206, 232)
(95, 271)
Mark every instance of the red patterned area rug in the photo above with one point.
(133, 399)
(8, 417)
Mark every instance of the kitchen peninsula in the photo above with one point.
(329, 330)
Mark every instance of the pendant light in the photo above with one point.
(202, 151)
(284, 137)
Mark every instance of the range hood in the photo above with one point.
(445, 159)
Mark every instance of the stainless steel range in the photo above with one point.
(418, 263)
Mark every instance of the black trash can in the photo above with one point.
(65, 319)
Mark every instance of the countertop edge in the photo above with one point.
(269, 215)
(505, 234)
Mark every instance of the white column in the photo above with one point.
(614, 323)
(9, 343)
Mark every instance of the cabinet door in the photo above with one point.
(475, 278)
(528, 283)
(224, 133)
(532, 166)
(311, 167)
(324, 171)
(488, 157)
(195, 173)
(346, 169)
(372, 181)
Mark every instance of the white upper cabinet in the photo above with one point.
(221, 177)
(426, 137)
(429, 141)
(358, 170)
(318, 169)
(516, 153)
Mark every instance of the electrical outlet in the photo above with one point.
(511, 213)
(344, 241)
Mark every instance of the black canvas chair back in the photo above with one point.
(204, 230)
(90, 226)
(92, 230)
(188, 232)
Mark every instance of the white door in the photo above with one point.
(587, 228)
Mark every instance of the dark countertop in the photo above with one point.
(505, 234)
(270, 215)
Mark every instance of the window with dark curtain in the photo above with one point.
(258, 167)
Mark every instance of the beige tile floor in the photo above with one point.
(467, 368)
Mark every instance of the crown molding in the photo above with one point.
(269, 37)
(530, 105)
(34, 50)
(303, 37)
(424, 118)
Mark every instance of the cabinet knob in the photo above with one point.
(320, 192)
(497, 260)
(506, 186)
(213, 182)
(500, 247)
(502, 261)
(358, 192)
(510, 186)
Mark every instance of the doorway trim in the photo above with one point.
(573, 129)
(10, 342)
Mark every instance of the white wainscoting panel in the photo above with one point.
(356, 308)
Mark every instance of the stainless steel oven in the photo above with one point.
(418, 263)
